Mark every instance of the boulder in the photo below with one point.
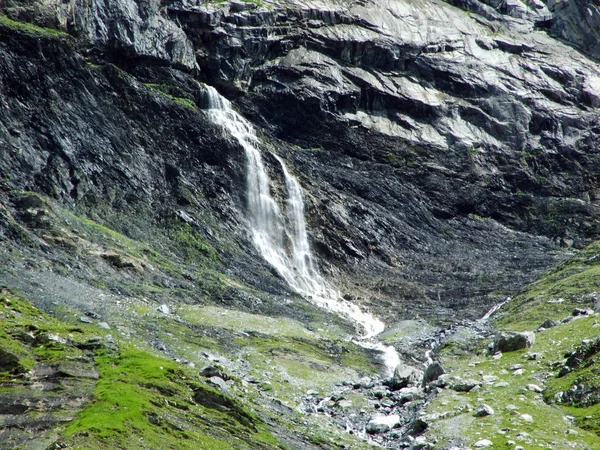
(213, 371)
(509, 341)
(548, 323)
(405, 375)
(381, 424)
(460, 385)
(409, 394)
(483, 410)
(432, 373)
(483, 443)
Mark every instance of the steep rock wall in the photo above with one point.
(448, 153)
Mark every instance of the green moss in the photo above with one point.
(143, 401)
(30, 28)
(174, 94)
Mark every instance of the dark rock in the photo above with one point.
(214, 371)
(418, 426)
(10, 362)
(548, 323)
(509, 341)
(432, 373)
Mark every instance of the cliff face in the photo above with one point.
(448, 152)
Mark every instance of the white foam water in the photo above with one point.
(281, 236)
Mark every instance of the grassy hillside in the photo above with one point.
(546, 396)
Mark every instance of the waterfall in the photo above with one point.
(281, 236)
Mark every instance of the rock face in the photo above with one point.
(448, 151)
(510, 341)
(432, 178)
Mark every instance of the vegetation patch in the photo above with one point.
(31, 29)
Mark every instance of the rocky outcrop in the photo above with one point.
(509, 341)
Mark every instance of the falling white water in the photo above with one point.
(282, 238)
(493, 310)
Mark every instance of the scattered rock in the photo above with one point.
(418, 426)
(218, 382)
(213, 371)
(432, 373)
(104, 325)
(547, 324)
(483, 443)
(489, 378)
(526, 418)
(9, 362)
(509, 341)
(408, 394)
(534, 388)
(460, 385)
(483, 410)
(163, 309)
(381, 424)
(405, 375)
(85, 319)
(582, 312)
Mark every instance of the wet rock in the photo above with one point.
(509, 341)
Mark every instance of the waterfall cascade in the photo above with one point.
(281, 237)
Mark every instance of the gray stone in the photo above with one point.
(483, 410)
(218, 382)
(381, 424)
(460, 385)
(103, 325)
(547, 324)
(405, 375)
(534, 388)
(432, 373)
(509, 341)
(483, 443)
(163, 309)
